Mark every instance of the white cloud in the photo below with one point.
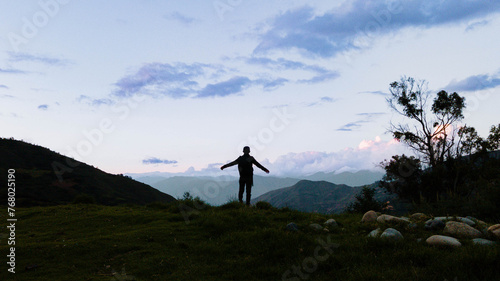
(366, 156)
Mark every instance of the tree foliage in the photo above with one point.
(365, 201)
(432, 130)
(451, 157)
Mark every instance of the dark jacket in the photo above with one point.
(245, 167)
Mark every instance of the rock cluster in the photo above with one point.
(449, 229)
(444, 231)
(328, 225)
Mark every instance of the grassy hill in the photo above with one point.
(188, 241)
(45, 177)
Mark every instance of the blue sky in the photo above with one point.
(175, 86)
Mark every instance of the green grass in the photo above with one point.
(231, 242)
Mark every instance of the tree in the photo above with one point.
(403, 177)
(434, 131)
(365, 201)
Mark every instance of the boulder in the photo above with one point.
(369, 216)
(391, 219)
(375, 233)
(391, 234)
(419, 217)
(292, 227)
(495, 230)
(481, 241)
(460, 219)
(434, 225)
(316, 226)
(331, 223)
(460, 229)
(443, 241)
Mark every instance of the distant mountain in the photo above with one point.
(359, 178)
(44, 177)
(315, 196)
(218, 190)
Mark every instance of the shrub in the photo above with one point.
(262, 205)
(233, 204)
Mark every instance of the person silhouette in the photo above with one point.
(245, 169)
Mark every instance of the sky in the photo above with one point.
(182, 86)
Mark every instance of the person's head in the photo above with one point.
(246, 150)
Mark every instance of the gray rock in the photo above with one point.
(370, 216)
(316, 226)
(419, 217)
(443, 241)
(375, 233)
(460, 229)
(413, 225)
(481, 241)
(292, 227)
(495, 230)
(391, 219)
(391, 234)
(331, 223)
(460, 219)
(434, 225)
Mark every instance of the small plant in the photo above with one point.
(232, 204)
(262, 205)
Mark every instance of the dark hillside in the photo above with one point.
(44, 177)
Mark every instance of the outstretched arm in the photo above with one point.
(229, 164)
(260, 166)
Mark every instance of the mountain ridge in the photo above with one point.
(317, 196)
(45, 177)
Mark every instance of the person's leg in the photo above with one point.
(249, 190)
(242, 189)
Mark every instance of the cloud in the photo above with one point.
(475, 83)
(23, 57)
(43, 107)
(154, 160)
(320, 78)
(180, 18)
(12, 71)
(366, 118)
(378, 93)
(272, 84)
(182, 80)
(352, 126)
(322, 100)
(321, 74)
(328, 34)
(366, 156)
(94, 102)
(232, 86)
(162, 79)
(476, 24)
